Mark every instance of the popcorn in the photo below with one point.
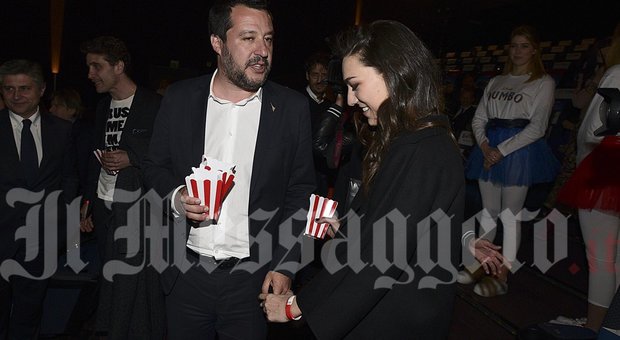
(319, 207)
(211, 182)
(98, 153)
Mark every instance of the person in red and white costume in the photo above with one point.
(594, 189)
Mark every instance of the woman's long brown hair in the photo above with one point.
(412, 79)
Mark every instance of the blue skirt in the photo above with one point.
(533, 163)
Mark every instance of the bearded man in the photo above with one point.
(236, 116)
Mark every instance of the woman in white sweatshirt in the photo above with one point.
(511, 154)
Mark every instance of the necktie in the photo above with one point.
(29, 158)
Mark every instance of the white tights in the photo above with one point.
(601, 236)
(495, 199)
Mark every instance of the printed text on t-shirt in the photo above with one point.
(506, 95)
(115, 124)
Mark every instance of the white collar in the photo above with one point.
(258, 94)
(34, 118)
(314, 96)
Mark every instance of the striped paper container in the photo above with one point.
(319, 207)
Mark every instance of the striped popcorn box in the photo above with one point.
(319, 207)
(211, 185)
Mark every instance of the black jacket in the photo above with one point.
(421, 175)
(57, 171)
(134, 140)
(324, 137)
(282, 173)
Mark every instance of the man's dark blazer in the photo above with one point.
(83, 138)
(316, 110)
(57, 171)
(462, 121)
(282, 174)
(134, 139)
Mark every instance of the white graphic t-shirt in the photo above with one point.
(117, 116)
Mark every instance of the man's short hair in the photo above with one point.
(70, 98)
(219, 14)
(320, 58)
(113, 50)
(22, 66)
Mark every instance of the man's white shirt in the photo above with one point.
(35, 129)
(231, 130)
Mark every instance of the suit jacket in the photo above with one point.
(316, 110)
(57, 171)
(462, 121)
(421, 173)
(116, 315)
(83, 138)
(282, 174)
(134, 139)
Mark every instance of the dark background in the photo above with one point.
(159, 31)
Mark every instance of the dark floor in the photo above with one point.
(534, 295)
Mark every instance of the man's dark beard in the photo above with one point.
(237, 76)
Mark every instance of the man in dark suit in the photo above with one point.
(316, 90)
(123, 127)
(234, 115)
(316, 93)
(461, 120)
(37, 156)
(67, 104)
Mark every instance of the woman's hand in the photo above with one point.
(485, 149)
(488, 255)
(334, 225)
(491, 155)
(486, 153)
(495, 156)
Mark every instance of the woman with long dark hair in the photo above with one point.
(394, 278)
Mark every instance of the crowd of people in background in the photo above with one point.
(376, 128)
